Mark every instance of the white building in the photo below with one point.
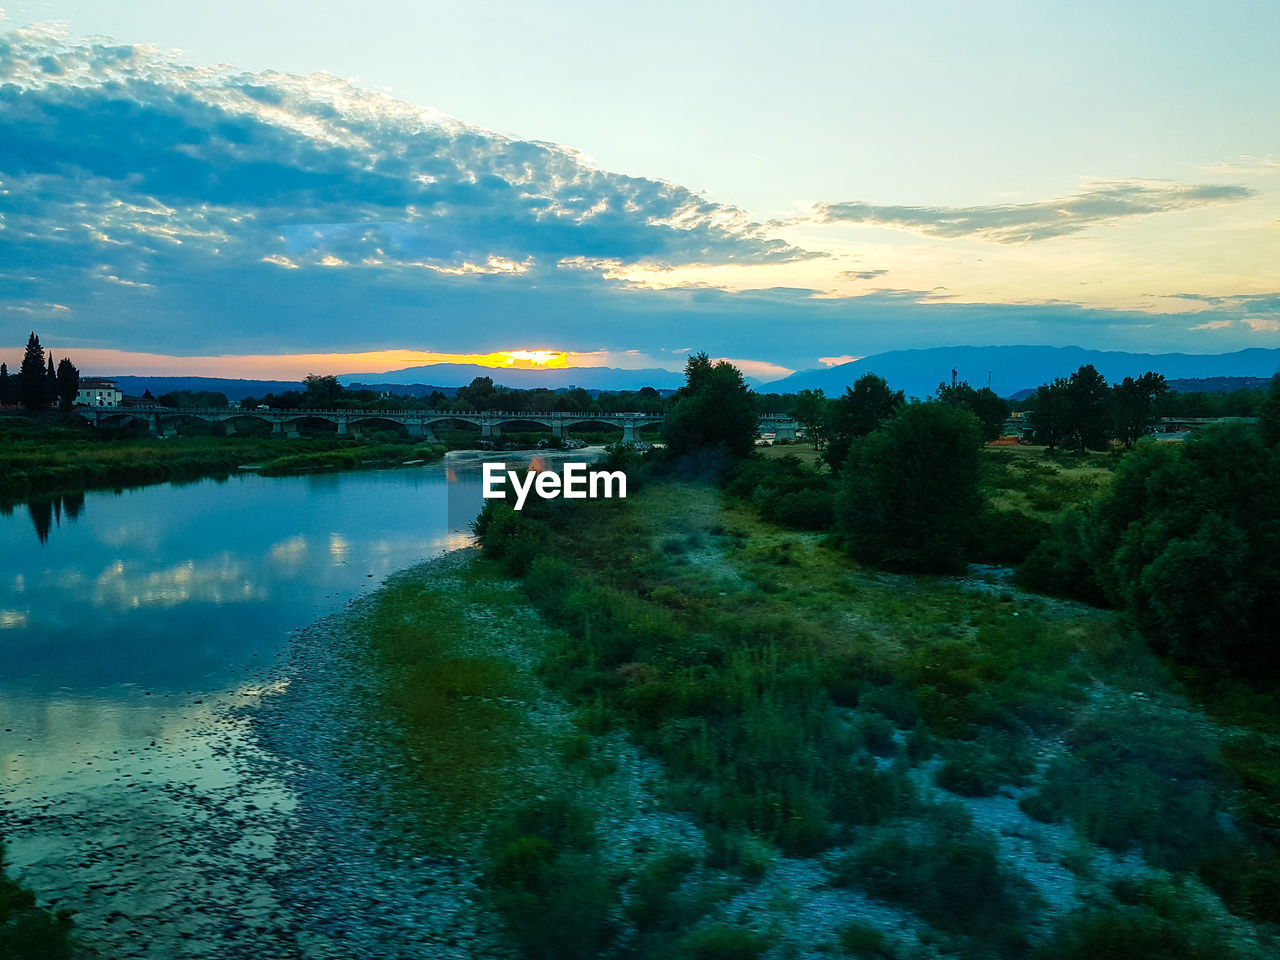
(97, 393)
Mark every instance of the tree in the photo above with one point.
(1048, 413)
(321, 393)
(31, 376)
(6, 389)
(1186, 540)
(985, 404)
(1269, 415)
(1074, 412)
(910, 489)
(1087, 409)
(856, 413)
(810, 408)
(714, 408)
(68, 379)
(1134, 405)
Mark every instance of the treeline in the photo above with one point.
(831, 424)
(326, 393)
(1186, 539)
(39, 385)
(1084, 412)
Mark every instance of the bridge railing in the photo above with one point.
(413, 414)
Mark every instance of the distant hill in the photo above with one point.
(1193, 385)
(461, 374)
(1013, 369)
(234, 389)
(239, 389)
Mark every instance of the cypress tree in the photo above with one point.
(51, 383)
(68, 383)
(31, 375)
(4, 383)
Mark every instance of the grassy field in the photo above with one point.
(48, 458)
(910, 734)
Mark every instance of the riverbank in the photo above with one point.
(254, 826)
(58, 458)
(679, 731)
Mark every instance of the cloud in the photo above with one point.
(121, 165)
(1263, 324)
(1100, 202)
(151, 206)
(1213, 325)
(861, 274)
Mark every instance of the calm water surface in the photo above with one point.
(126, 618)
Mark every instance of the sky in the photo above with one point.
(275, 188)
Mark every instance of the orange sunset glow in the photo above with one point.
(294, 366)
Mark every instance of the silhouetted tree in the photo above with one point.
(31, 376)
(861, 409)
(910, 488)
(5, 387)
(1087, 409)
(984, 404)
(321, 392)
(1134, 405)
(810, 407)
(51, 381)
(68, 380)
(713, 408)
(1269, 415)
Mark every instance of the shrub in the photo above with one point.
(948, 872)
(550, 884)
(26, 931)
(1152, 919)
(1134, 777)
(725, 943)
(910, 489)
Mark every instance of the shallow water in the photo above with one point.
(133, 628)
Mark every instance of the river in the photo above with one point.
(135, 628)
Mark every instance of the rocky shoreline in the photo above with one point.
(249, 827)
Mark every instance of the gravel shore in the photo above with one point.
(249, 827)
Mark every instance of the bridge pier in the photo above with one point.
(342, 428)
(489, 430)
(557, 429)
(629, 432)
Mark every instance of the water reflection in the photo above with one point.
(46, 512)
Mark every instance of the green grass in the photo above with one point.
(789, 693)
(28, 932)
(51, 457)
(454, 705)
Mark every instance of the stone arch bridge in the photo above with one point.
(418, 423)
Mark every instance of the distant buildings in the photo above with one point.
(98, 393)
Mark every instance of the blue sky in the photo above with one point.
(780, 184)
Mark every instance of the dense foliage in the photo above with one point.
(1187, 541)
(910, 489)
(713, 409)
(26, 931)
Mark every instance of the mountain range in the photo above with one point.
(525, 378)
(1011, 369)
